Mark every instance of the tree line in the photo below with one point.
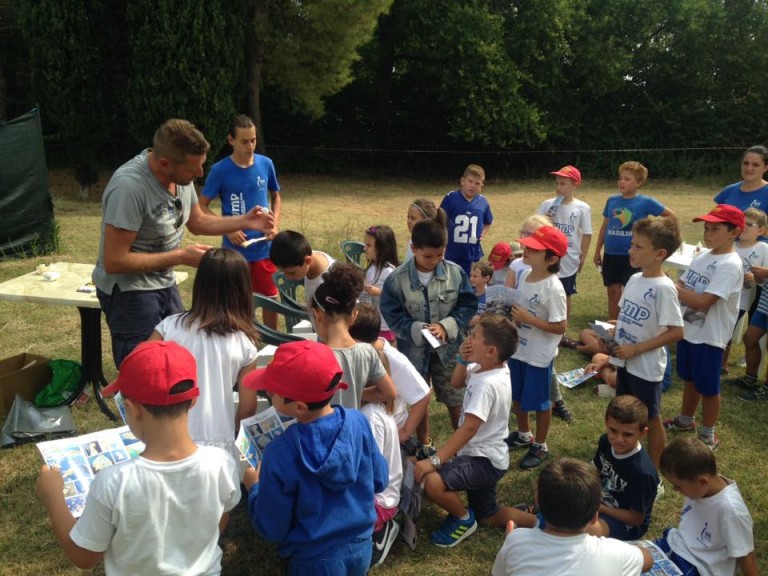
(376, 84)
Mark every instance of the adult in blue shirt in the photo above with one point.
(241, 181)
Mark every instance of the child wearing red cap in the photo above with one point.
(313, 492)
(167, 507)
(500, 258)
(573, 217)
(709, 293)
(541, 319)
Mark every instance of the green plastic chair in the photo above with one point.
(353, 251)
(287, 290)
(291, 315)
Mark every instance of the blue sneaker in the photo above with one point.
(453, 530)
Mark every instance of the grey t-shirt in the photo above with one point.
(361, 366)
(135, 200)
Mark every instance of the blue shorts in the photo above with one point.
(616, 269)
(759, 320)
(685, 567)
(569, 284)
(478, 477)
(133, 315)
(649, 393)
(700, 364)
(620, 531)
(530, 385)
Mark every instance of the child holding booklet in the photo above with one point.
(649, 319)
(165, 508)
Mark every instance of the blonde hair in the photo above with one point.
(757, 216)
(538, 220)
(639, 171)
(474, 170)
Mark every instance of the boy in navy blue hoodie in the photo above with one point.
(313, 492)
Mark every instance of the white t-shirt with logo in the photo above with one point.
(647, 307)
(574, 220)
(544, 299)
(489, 397)
(714, 531)
(756, 255)
(723, 276)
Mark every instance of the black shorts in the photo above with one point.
(569, 284)
(616, 270)
(478, 477)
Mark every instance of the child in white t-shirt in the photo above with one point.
(219, 332)
(385, 530)
(715, 531)
(413, 393)
(709, 292)
(568, 494)
(168, 506)
(518, 265)
(475, 457)
(541, 321)
(649, 319)
(754, 256)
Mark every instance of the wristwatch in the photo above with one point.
(435, 459)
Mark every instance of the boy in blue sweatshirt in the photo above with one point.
(313, 492)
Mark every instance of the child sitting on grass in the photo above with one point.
(715, 531)
(627, 474)
(475, 457)
(167, 507)
(568, 494)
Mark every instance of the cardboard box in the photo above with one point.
(24, 374)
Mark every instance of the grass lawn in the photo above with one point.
(329, 210)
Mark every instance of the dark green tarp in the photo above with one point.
(26, 207)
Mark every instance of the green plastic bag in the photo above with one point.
(65, 386)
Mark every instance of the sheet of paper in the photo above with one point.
(429, 337)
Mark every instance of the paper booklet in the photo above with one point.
(410, 503)
(81, 457)
(610, 342)
(500, 299)
(259, 430)
(662, 566)
(573, 378)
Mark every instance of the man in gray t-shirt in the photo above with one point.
(145, 207)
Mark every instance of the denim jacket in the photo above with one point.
(407, 306)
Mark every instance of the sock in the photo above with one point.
(527, 436)
(542, 446)
(750, 380)
(707, 432)
(685, 420)
(466, 516)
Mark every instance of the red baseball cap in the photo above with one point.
(570, 172)
(307, 371)
(499, 255)
(547, 238)
(724, 213)
(149, 372)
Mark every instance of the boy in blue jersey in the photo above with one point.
(619, 215)
(313, 492)
(469, 218)
(241, 181)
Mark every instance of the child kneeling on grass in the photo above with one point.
(313, 492)
(715, 531)
(165, 509)
(475, 456)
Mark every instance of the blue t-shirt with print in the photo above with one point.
(466, 220)
(239, 190)
(622, 213)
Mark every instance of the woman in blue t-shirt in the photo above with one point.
(752, 191)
